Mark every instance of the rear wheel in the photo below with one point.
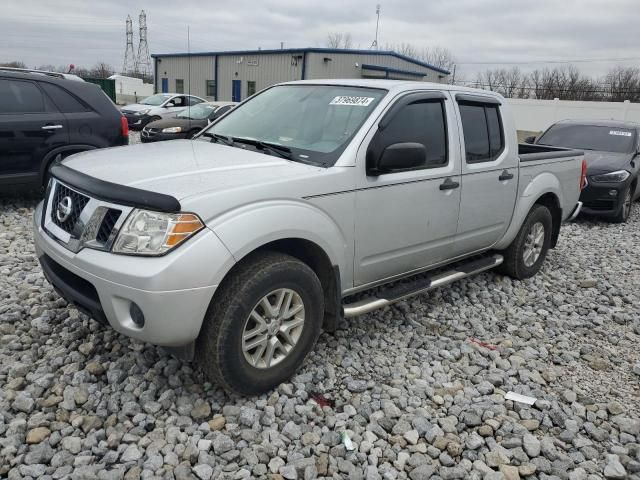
(625, 209)
(526, 254)
(261, 324)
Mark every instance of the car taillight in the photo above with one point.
(583, 174)
(124, 127)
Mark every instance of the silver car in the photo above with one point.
(156, 107)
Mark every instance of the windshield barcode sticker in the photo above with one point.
(620, 133)
(352, 101)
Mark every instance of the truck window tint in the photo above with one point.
(21, 97)
(496, 136)
(482, 130)
(65, 101)
(476, 133)
(423, 123)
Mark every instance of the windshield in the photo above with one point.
(589, 137)
(197, 112)
(314, 122)
(155, 100)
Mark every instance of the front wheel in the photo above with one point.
(261, 324)
(625, 209)
(526, 254)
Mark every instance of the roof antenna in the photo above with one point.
(374, 45)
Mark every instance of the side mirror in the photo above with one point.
(530, 139)
(399, 156)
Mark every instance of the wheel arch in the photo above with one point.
(65, 150)
(552, 202)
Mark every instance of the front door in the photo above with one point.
(235, 91)
(489, 174)
(165, 85)
(407, 220)
(30, 127)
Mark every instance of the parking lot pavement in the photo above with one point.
(419, 387)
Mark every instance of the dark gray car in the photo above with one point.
(611, 150)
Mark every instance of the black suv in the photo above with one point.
(45, 117)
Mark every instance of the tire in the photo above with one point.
(625, 209)
(515, 264)
(219, 347)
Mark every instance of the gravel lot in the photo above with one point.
(419, 387)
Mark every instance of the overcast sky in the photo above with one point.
(84, 32)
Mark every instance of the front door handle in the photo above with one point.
(505, 175)
(449, 184)
(51, 127)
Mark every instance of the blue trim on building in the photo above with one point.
(308, 50)
(389, 70)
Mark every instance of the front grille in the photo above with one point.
(77, 203)
(600, 204)
(107, 225)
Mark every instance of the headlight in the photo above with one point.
(172, 130)
(143, 112)
(618, 176)
(154, 233)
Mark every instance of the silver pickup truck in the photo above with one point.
(237, 248)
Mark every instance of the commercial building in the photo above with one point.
(233, 76)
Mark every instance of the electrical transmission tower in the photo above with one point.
(129, 64)
(143, 62)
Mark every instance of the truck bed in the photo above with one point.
(529, 152)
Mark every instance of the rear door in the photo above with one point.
(489, 174)
(30, 127)
(86, 126)
(407, 220)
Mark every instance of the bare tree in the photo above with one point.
(623, 83)
(101, 70)
(14, 64)
(339, 40)
(440, 57)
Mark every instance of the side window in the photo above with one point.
(64, 100)
(179, 85)
(220, 111)
(21, 97)
(482, 130)
(193, 101)
(421, 122)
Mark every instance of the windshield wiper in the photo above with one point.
(219, 138)
(279, 150)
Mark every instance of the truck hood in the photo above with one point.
(603, 162)
(185, 168)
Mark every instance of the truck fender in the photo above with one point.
(537, 187)
(250, 227)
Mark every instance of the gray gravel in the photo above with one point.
(418, 387)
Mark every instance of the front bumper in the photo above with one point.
(148, 136)
(603, 199)
(136, 122)
(172, 291)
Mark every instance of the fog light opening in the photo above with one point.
(136, 315)
(613, 193)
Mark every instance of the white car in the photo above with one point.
(156, 107)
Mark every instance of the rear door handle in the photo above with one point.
(449, 184)
(51, 127)
(505, 175)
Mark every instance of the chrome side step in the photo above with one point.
(424, 284)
